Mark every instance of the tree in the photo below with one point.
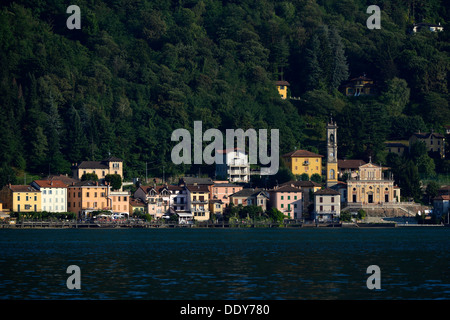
(304, 177)
(275, 215)
(89, 176)
(396, 96)
(316, 178)
(340, 65)
(313, 68)
(114, 180)
(431, 191)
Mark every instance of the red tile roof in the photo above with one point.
(22, 188)
(301, 153)
(350, 164)
(50, 183)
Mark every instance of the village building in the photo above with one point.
(20, 198)
(360, 86)
(308, 188)
(303, 161)
(111, 165)
(87, 196)
(222, 191)
(395, 147)
(282, 87)
(234, 167)
(288, 200)
(198, 201)
(350, 167)
(371, 187)
(53, 195)
(249, 197)
(327, 205)
(136, 205)
(434, 142)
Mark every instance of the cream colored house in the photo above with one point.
(327, 204)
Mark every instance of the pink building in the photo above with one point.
(222, 191)
(288, 200)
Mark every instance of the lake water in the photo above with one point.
(221, 264)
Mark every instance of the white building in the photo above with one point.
(53, 195)
(327, 204)
(235, 166)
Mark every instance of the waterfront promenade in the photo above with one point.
(206, 224)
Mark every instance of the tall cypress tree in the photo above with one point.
(340, 66)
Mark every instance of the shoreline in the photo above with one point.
(260, 225)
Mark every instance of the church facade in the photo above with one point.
(368, 185)
(371, 187)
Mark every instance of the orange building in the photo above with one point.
(86, 196)
(222, 191)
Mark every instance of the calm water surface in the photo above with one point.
(226, 263)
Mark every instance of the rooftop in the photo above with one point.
(327, 191)
(305, 184)
(22, 188)
(248, 192)
(285, 188)
(350, 164)
(50, 183)
(302, 154)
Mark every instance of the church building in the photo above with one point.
(371, 187)
(368, 185)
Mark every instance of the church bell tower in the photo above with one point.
(332, 162)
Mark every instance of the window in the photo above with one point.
(332, 199)
(87, 194)
(295, 197)
(332, 208)
(321, 208)
(282, 206)
(18, 198)
(295, 205)
(320, 199)
(289, 197)
(282, 197)
(95, 194)
(44, 192)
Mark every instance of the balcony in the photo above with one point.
(199, 201)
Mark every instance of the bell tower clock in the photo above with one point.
(332, 162)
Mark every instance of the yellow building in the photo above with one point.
(216, 207)
(434, 142)
(20, 198)
(303, 161)
(112, 165)
(360, 86)
(282, 88)
(198, 200)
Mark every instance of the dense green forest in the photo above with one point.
(137, 70)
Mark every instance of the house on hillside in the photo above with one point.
(111, 165)
(434, 142)
(360, 86)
